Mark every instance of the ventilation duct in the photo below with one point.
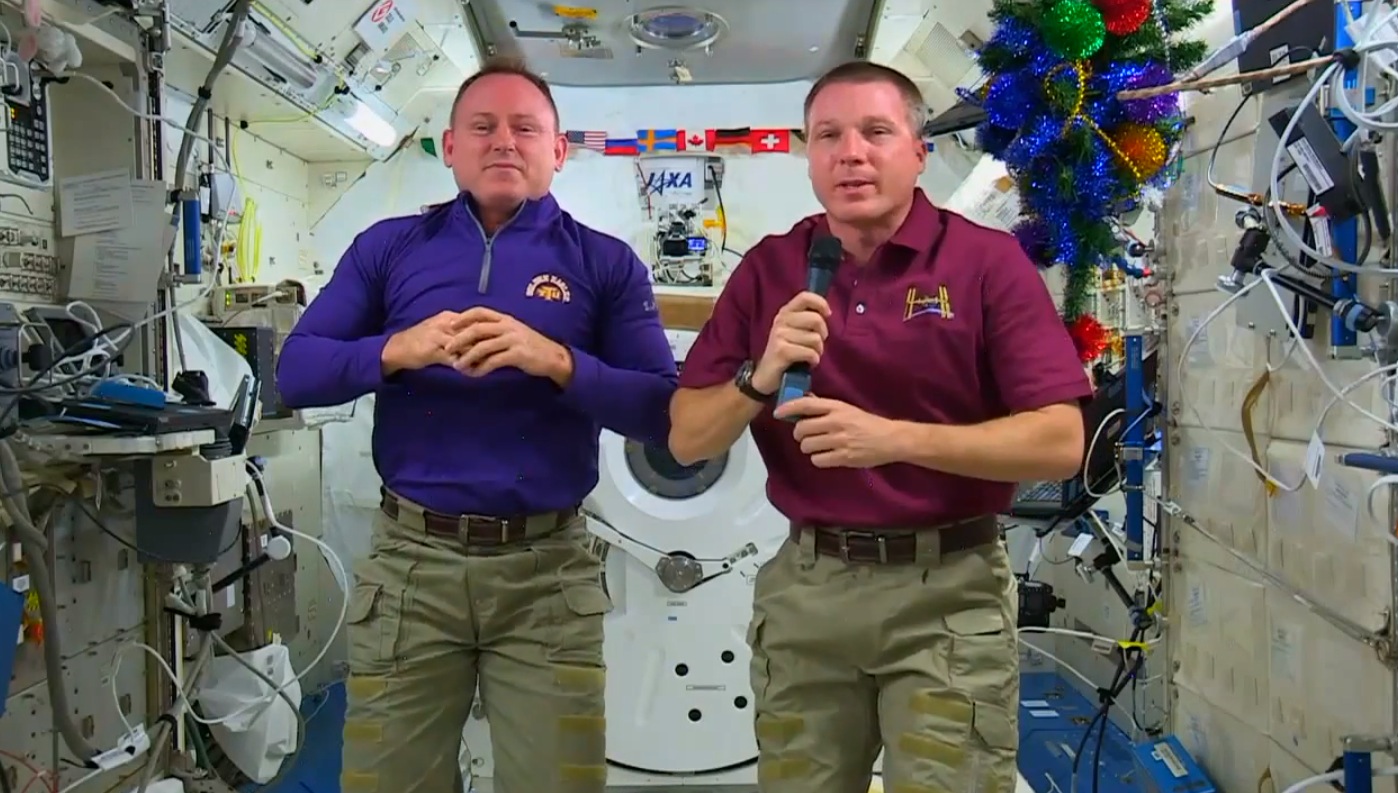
(263, 47)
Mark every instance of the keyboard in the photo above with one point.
(1038, 500)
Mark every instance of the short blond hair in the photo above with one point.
(859, 72)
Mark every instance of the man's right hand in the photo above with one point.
(422, 345)
(798, 336)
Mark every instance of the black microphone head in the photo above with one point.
(825, 253)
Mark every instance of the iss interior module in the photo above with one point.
(685, 543)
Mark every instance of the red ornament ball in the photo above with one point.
(1124, 17)
(1090, 337)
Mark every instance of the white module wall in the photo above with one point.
(1264, 689)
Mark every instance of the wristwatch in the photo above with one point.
(743, 382)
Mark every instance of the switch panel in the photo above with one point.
(29, 274)
(10, 372)
(27, 134)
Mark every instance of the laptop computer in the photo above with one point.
(1068, 500)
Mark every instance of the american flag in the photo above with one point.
(595, 141)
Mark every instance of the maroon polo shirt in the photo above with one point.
(948, 323)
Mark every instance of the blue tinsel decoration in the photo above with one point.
(1070, 180)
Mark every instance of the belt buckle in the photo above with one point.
(880, 540)
(463, 528)
(503, 531)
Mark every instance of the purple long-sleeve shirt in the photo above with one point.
(507, 443)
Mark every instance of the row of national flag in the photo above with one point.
(735, 140)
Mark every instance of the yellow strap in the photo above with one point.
(1250, 402)
(1128, 645)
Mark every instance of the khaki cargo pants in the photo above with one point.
(919, 659)
(429, 621)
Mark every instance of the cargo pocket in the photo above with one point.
(760, 668)
(994, 726)
(586, 600)
(578, 638)
(997, 742)
(371, 626)
(984, 656)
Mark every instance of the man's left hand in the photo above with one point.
(489, 340)
(836, 434)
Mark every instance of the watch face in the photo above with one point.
(745, 373)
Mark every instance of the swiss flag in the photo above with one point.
(766, 141)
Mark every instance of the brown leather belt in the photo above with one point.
(897, 546)
(481, 530)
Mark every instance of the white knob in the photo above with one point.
(278, 548)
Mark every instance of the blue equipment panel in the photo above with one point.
(1052, 719)
(1168, 768)
(11, 618)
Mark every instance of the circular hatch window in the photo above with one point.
(663, 476)
(675, 28)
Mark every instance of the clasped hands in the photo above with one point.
(476, 342)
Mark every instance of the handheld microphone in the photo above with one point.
(821, 262)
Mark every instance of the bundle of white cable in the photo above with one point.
(1367, 44)
(338, 566)
(1333, 777)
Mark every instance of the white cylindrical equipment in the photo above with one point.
(679, 701)
(678, 696)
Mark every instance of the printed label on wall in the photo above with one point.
(1199, 353)
(1286, 652)
(1198, 604)
(1341, 507)
(1196, 471)
(1286, 504)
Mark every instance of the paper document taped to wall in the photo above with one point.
(987, 196)
(95, 202)
(123, 265)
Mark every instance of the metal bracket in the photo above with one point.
(1369, 743)
(1387, 332)
(197, 780)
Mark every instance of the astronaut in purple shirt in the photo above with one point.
(499, 336)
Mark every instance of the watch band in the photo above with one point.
(743, 382)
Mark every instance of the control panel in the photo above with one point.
(27, 134)
(29, 266)
(29, 274)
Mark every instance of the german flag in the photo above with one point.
(798, 141)
(735, 139)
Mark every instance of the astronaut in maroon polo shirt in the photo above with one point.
(941, 376)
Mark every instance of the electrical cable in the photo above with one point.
(1335, 776)
(35, 546)
(14, 498)
(223, 56)
(341, 575)
(1339, 395)
(723, 212)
